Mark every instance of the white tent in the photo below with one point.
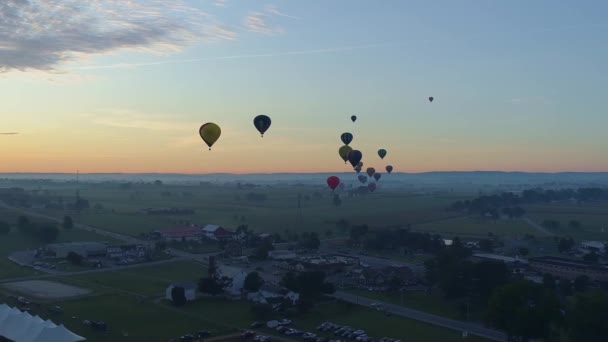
(22, 327)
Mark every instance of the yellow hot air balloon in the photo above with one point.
(210, 133)
(344, 151)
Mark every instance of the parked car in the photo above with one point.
(203, 333)
(284, 321)
(261, 338)
(56, 309)
(248, 334)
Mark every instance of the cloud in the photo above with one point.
(260, 55)
(274, 10)
(220, 3)
(124, 118)
(9, 133)
(43, 34)
(261, 22)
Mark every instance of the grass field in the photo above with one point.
(475, 227)
(229, 206)
(593, 218)
(146, 280)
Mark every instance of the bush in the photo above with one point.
(178, 296)
(74, 258)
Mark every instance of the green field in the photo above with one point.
(229, 206)
(592, 217)
(476, 227)
(149, 281)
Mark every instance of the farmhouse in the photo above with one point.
(16, 325)
(381, 277)
(189, 290)
(568, 268)
(216, 232)
(189, 233)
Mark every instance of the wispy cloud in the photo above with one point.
(220, 3)
(248, 56)
(274, 10)
(9, 133)
(261, 22)
(124, 118)
(43, 34)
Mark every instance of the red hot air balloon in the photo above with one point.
(333, 182)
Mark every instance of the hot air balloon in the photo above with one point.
(353, 118)
(262, 123)
(343, 152)
(382, 153)
(354, 157)
(346, 138)
(370, 171)
(333, 182)
(342, 186)
(371, 187)
(389, 168)
(358, 169)
(431, 99)
(362, 179)
(210, 133)
(377, 176)
(360, 164)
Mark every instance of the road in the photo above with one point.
(471, 328)
(538, 227)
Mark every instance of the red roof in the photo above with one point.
(180, 231)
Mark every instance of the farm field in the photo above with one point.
(593, 218)
(476, 228)
(147, 281)
(118, 209)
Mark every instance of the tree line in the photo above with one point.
(509, 203)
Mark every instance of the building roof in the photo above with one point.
(17, 325)
(564, 262)
(270, 288)
(594, 244)
(498, 257)
(211, 228)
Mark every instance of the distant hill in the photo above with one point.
(441, 179)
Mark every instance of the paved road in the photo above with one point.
(471, 328)
(538, 227)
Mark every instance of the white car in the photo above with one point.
(284, 322)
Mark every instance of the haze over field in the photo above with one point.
(120, 89)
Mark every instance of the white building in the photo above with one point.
(593, 246)
(269, 293)
(237, 275)
(189, 290)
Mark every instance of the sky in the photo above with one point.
(124, 85)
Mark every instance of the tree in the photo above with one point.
(68, 223)
(565, 245)
(290, 281)
(586, 318)
(210, 286)
(261, 311)
(549, 281)
(253, 282)
(178, 296)
(337, 200)
(486, 245)
(524, 310)
(329, 233)
(74, 258)
(158, 182)
(5, 228)
(23, 222)
(311, 285)
(160, 246)
(395, 283)
(261, 252)
(523, 251)
(580, 283)
(48, 233)
(591, 258)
